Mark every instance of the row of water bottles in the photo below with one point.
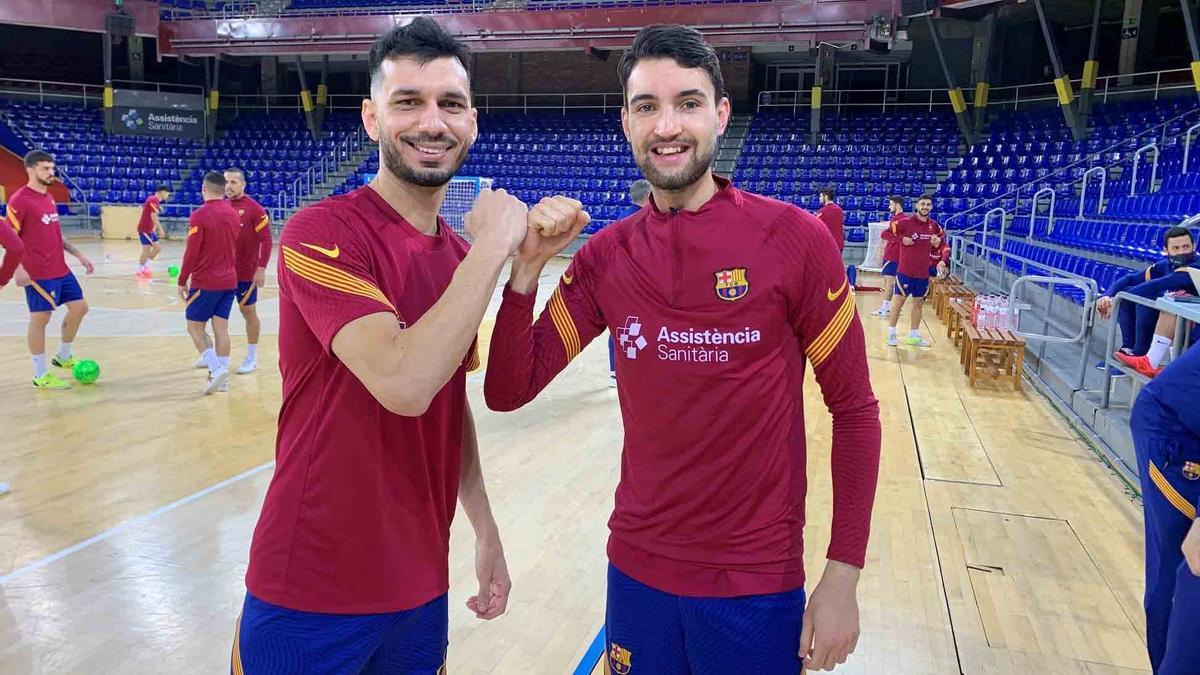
(990, 312)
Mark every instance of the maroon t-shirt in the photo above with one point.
(835, 219)
(211, 238)
(34, 216)
(149, 208)
(254, 237)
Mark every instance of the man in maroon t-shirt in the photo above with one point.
(150, 230)
(706, 546)
(253, 253)
(920, 236)
(833, 216)
(207, 282)
(379, 308)
(891, 254)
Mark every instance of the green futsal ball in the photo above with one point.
(173, 271)
(87, 371)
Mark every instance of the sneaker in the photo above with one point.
(200, 363)
(215, 381)
(224, 388)
(880, 312)
(248, 366)
(612, 379)
(893, 341)
(916, 341)
(144, 274)
(50, 381)
(60, 363)
(4, 488)
(1140, 364)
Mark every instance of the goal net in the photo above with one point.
(873, 261)
(459, 198)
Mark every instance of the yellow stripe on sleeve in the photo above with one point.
(192, 230)
(564, 323)
(12, 218)
(261, 224)
(828, 340)
(333, 278)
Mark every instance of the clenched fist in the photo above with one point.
(497, 219)
(553, 223)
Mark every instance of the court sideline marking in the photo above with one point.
(132, 522)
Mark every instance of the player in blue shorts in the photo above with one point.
(150, 229)
(207, 280)
(919, 237)
(1166, 434)
(48, 282)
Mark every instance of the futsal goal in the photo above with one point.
(873, 260)
(459, 198)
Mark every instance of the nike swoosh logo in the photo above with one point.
(331, 252)
(832, 295)
(567, 279)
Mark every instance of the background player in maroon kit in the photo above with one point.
(706, 549)
(833, 216)
(150, 230)
(207, 281)
(380, 304)
(253, 254)
(920, 238)
(891, 254)
(43, 272)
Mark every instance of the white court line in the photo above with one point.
(137, 520)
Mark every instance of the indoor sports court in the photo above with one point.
(1037, 465)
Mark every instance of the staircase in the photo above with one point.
(336, 178)
(731, 144)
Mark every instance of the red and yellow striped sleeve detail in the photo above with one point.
(565, 325)
(12, 218)
(262, 223)
(1177, 500)
(834, 331)
(333, 278)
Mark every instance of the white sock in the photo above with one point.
(224, 362)
(64, 351)
(1158, 350)
(39, 365)
(252, 352)
(211, 360)
(891, 331)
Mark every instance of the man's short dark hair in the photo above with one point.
(163, 188)
(234, 169)
(686, 46)
(925, 196)
(424, 40)
(1177, 231)
(215, 181)
(35, 157)
(829, 193)
(897, 199)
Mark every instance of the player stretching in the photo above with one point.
(150, 229)
(919, 236)
(891, 254)
(379, 306)
(706, 550)
(207, 282)
(48, 282)
(253, 254)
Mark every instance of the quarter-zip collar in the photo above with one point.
(726, 195)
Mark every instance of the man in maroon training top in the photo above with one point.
(719, 300)
(207, 282)
(253, 254)
(891, 254)
(920, 239)
(833, 216)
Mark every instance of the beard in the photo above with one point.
(691, 172)
(420, 176)
(48, 181)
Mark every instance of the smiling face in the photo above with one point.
(421, 116)
(924, 207)
(672, 119)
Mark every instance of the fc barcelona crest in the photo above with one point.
(620, 660)
(1191, 470)
(732, 284)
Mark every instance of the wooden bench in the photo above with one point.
(958, 318)
(948, 293)
(996, 354)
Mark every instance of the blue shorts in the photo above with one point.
(908, 286)
(933, 272)
(247, 293)
(271, 639)
(46, 295)
(204, 305)
(147, 238)
(649, 631)
(889, 268)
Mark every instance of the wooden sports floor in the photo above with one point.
(1000, 543)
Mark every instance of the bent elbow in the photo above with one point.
(405, 403)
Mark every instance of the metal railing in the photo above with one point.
(1137, 158)
(59, 171)
(883, 99)
(290, 198)
(252, 10)
(1187, 144)
(1033, 211)
(1103, 172)
(1110, 360)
